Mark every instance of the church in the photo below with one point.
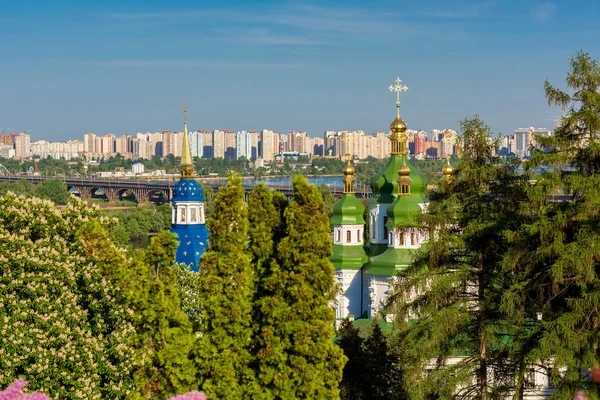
(365, 273)
(188, 219)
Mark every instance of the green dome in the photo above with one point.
(403, 210)
(383, 184)
(348, 257)
(389, 262)
(418, 184)
(348, 211)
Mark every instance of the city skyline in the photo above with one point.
(282, 66)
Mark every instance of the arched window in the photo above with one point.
(401, 238)
(358, 236)
(339, 235)
(412, 238)
(385, 228)
(348, 236)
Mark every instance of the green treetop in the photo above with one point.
(299, 359)
(450, 295)
(556, 250)
(226, 286)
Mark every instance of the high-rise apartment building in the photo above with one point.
(230, 145)
(243, 145)
(266, 150)
(218, 144)
(197, 143)
(22, 145)
(89, 143)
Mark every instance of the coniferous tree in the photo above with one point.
(226, 286)
(556, 250)
(451, 293)
(300, 359)
(381, 374)
(353, 384)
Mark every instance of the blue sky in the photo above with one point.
(69, 67)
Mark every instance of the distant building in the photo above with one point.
(196, 144)
(218, 144)
(266, 150)
(137, 168)
(525, 139)
(243, 145)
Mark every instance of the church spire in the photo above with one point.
(187, 166)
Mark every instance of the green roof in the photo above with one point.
(376, 249)
(348, 211)
(418, 184)
(348, 257)
(403, 210)
(389, 262)
(383, 184)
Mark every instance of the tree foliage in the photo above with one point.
(225, 281)
(556, 249)
(452, 292)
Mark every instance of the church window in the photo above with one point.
(339, 236)
(412, 238)
(193, 215)
(385, 228)
(401, 238)
(358, 236)
(373, 227)
(348, 236)
(182, 218)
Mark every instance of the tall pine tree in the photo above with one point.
(226, 285)
(448, 300)
(556, 250)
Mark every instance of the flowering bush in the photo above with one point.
(60, 326)
(14, 392)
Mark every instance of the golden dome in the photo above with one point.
(448, 169)
(349, 169)
(398, 125)
(404, 170)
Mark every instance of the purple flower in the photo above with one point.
(188, 396)
(13, 392)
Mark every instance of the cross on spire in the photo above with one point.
(398, 87)
(185, 112)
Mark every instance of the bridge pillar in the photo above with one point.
(85, 193)
(112, 194)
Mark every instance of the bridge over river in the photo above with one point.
(143, 190)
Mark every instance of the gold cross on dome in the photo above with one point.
(347, 139)
(185, 112)
(398, 87)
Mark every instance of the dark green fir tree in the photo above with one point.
(353, 384)
(226, 285)
(556, 250)
(448, 301)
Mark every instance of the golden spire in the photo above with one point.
(398, 126)
(448, 169)
(404, 180)
(348, 178)
(187, 166)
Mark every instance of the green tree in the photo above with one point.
(381, 374)
(301, 360)
(556, 251)
(225, 281)
(452, 292)
(353, 384)
(54, 190)
(163, 339)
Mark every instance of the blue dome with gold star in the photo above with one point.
(187, 190)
